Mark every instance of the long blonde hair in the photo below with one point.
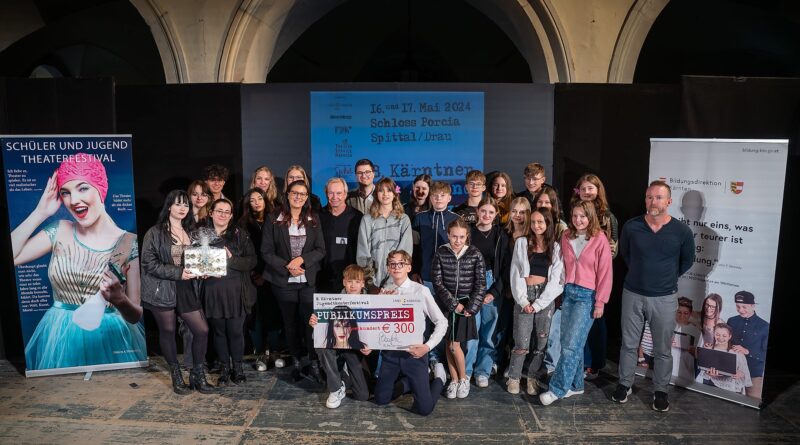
(272, 191)
(397, 207)
(526, 223)
(299, 168)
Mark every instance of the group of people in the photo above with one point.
(508, 284)
(743, 339)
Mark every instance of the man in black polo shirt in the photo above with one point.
(657, 249)
(340, 229)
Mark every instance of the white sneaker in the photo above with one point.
(463, 389)
(571, 393)
(452, 390)
(482, 381)
(280, 363)
(335, 398)
(438, 372)
(494, 369)
(547, 398)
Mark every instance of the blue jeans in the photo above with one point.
(576, 320)
(553, 352)
(594, 353)
(482, 353)
(437, 353)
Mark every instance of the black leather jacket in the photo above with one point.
(159, 274)
(455, 278)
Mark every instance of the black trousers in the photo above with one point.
(296, 301)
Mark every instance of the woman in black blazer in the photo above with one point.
(293, 248)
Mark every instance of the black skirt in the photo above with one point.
(222, 297)
(461, 328)
(186, 299)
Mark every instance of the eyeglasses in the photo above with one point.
(398, 265)
(197, 195)
(223, 212)
(298, 194)
(364, 173)
(473, 184)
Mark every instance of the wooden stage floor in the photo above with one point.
(138, 406)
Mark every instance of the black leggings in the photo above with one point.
(228, 339)
(166, 334)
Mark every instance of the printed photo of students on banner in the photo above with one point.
(73, 237)
(724, 301)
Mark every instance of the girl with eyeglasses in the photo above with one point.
(293, 248)
(298, 173)
(229, 299)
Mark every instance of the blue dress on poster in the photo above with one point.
(75, 272)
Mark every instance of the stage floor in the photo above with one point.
(138, 406)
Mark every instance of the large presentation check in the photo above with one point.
(390, 322)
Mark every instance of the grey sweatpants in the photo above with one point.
(660, 312)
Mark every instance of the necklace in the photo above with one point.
(485, 234)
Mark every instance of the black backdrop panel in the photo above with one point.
(749, 108)
(177, 131)
(606, 130)
(518, 123)
(43, 106)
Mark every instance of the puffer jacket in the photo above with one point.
(457, 277)
(159, 274)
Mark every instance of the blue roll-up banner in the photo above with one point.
(404, 133)
(73, 234)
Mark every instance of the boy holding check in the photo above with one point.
(411, 367)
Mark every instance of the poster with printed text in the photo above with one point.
(73, 238)
(404, 133)
(377, 322)
(730, 193)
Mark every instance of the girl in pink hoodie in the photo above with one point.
(587, 279)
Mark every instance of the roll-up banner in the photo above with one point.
(730, 193)
(73, 238)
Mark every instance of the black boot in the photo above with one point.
(237, 374)
(224, 375)
(314, 371)
(178, 385)
(197, 380)
(296, 373)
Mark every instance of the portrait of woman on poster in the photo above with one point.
(709, 318)
(342, 332)
(82, 251)
(734, 383)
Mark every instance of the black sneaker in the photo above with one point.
(621, 393)
(661, 402)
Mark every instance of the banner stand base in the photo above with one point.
(87, 369)
(708, 390)
(87, 376)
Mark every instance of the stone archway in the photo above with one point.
(640, 19)
(260, 33)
